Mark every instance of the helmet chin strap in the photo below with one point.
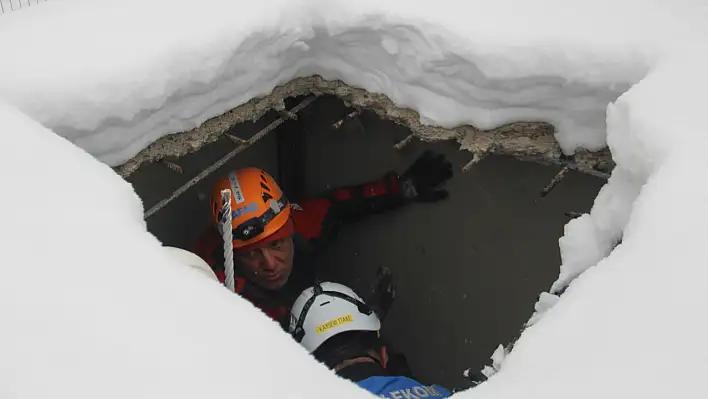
(381, 360)
(350, 362)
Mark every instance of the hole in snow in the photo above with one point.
(468, 269)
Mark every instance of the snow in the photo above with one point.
(135, 85)
(110, 315)
(12, 5)
(93, 307)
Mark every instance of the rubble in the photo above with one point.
(526, 141)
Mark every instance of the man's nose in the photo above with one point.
(269, 261)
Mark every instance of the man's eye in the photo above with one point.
(249, 254)
(277, 244)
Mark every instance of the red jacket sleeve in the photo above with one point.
(207, 244)
(319, 219)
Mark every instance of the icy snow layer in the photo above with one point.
(105, 315)
(113, 76)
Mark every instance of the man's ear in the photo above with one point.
(384, 356)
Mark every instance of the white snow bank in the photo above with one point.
(92, 307)
(113, 76)
(633, 325)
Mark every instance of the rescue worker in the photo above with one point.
(340, 330)
(275, 242)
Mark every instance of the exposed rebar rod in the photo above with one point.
(226, 158)
(554, 182)
(404, 142)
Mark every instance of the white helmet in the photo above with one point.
(327, 309)
(192, 260)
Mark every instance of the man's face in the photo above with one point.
(270, 265)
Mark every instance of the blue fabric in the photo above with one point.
(402, 388)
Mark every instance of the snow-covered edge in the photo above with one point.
(641, 147)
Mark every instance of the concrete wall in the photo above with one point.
(468, 269)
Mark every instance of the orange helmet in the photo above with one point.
(259, 209)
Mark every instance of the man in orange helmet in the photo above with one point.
(274, 241)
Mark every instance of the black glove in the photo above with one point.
(383, 292)
(422, 180)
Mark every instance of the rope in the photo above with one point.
(227, 235)
(226, 158)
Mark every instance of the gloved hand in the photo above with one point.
(383, 292)
(422, 181)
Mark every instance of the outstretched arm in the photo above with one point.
(421, 182)
(319, 219)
